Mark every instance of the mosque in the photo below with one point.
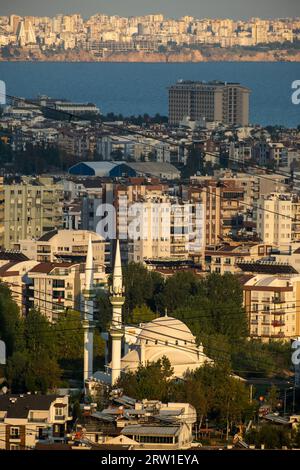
(134, 346)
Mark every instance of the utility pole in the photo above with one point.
(284, 403)
(294, 398)
(88, 316)
(227, 422)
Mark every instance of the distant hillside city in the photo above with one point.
(103, 37)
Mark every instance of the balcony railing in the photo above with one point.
(278, 312)
(277, 300)
(37, 420)
(278, 335)
(277, 323)
(59, 417)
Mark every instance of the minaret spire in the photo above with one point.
(117, 287)
(88, 315)
(117, 300)
(89, 265)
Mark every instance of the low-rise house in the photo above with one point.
(26, 420)
(229, 258)
(148, 424)
(64, 245)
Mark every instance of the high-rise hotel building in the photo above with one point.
(210, 101)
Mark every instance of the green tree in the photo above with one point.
(68, 340)
(31, 372)
(16, 370)
(226, 305)
(33, 366)
(273, 397)
(141, 314)
(177, 291)
(271, 437)
(43, 373)
(217, 395)
(141, 287)
(68, 337)
(103, 312)
(152, 381)
(38, 334)
(10, 322)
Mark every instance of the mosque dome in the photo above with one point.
(166, 330)
(169, 337)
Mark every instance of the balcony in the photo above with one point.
(277, 300)
(37, 420)
(44, 251)
(59, 417)
(278, 335)
(278, 312)
(277, 323)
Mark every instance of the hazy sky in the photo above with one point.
(171, 8)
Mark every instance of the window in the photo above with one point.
(14, 447)
(15, 433)
(58, 283)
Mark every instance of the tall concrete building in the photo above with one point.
(213, 101)
(272, 305)
(32, 207)
(274, 219)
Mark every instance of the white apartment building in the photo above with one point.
(54, 287)
(164, 229)
(64, 245)
(274, 219)
(273, 306)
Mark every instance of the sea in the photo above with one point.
(139, 88)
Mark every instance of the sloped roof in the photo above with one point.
(48, 267)
(18, 406)
(48, 235)
(12, 255)
(143, 430)
(5, 269)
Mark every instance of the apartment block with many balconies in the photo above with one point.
(32, 207)
(273, 306)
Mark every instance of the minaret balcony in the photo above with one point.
(117, 299)
(88, 294)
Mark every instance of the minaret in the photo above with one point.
(88, 315)
(117, 300)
